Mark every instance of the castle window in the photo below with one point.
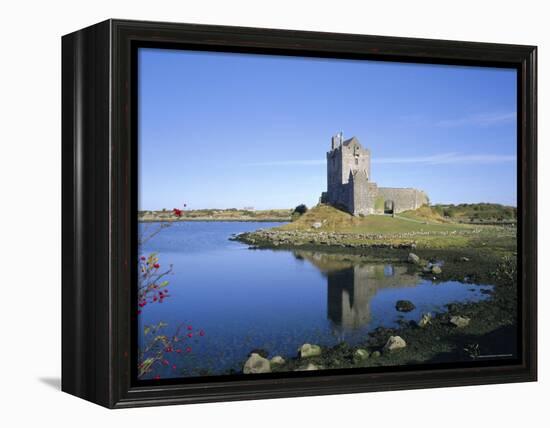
(356, 161)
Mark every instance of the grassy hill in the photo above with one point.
(325, 226)
(334, 220)
(477, 213)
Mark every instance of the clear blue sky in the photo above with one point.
(222, 130)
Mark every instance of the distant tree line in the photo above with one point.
(477, 212)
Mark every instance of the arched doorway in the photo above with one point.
(388, 206)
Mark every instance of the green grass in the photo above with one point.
(482, 212)
(423, 227)
(334, 220)
(424, 213)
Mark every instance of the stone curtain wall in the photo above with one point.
(403, 199)
(371, 196)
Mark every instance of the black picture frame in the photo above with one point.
(99, 210)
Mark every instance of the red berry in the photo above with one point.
(189, 335)
(189, 327)
(201, 333)
(157, 377)
(188, 349)
(142, 257)
(156, 265)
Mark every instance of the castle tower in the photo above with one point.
(346, 158)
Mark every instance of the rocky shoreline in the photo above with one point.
(291, 238)
(465, 332)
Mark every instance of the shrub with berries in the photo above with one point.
(160, 350)
(152, 283)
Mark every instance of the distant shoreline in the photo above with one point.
(211, 220)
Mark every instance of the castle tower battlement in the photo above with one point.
(349, 184)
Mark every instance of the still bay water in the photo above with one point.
(247, 299)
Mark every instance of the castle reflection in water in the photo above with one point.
(352, 284)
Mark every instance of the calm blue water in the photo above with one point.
(275, 300)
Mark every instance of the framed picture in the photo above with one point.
(253, 213)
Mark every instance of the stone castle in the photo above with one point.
(350, 186)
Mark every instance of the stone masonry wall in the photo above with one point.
(403, 199)
(359, 186)
(372, 195)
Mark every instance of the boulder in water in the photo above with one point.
(256, 364)
(404, 306)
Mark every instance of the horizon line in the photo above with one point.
(286, 208)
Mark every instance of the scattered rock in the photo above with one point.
(395, 343)
(404, 306)
(256, 364)
(425, 320)
(307, 350)
(413, 258)
(360, 355)
(375, 354)
(436, 270)
(459, 321)
(317, 225)
(464, 259)
(308, 368)
(277, 360)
